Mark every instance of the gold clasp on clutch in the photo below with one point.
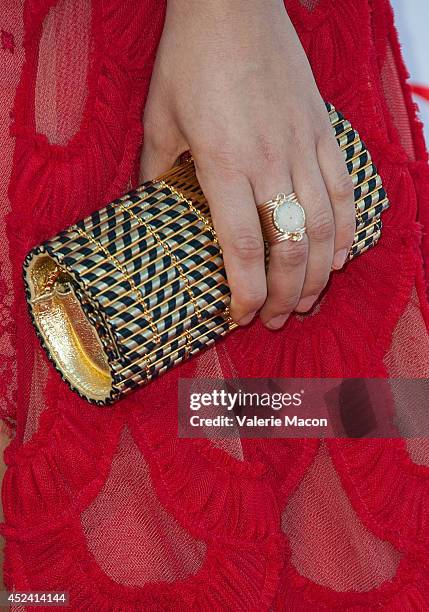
(50, 283)
(44, 282)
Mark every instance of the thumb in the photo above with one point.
(157, 158)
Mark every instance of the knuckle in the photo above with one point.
(286, 303)
(346, 233)
(303, 135)
(315, 287)
(292, 254)
(269, 151)
(211, 153)
(342, 188)
(327, 135)
(251, 298)
(345, 228)
(248, 247)
(321, 227)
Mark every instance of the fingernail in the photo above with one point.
(340, 259)
(277, 322)
(306, 303)
(247, 318)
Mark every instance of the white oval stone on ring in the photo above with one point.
(289, 217)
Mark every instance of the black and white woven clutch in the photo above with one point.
(137, 287)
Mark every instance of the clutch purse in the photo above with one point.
(139, 286)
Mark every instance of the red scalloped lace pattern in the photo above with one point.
(229, 506)
(10, 62)
(7, 364)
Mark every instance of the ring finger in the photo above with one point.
(287, 265)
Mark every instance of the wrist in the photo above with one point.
(231, 25)
(224, 9)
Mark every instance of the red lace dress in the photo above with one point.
(109, 504)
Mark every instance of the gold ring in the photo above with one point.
(282, 218)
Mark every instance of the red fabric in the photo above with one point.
(109, 504)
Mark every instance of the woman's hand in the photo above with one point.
(232, 83)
